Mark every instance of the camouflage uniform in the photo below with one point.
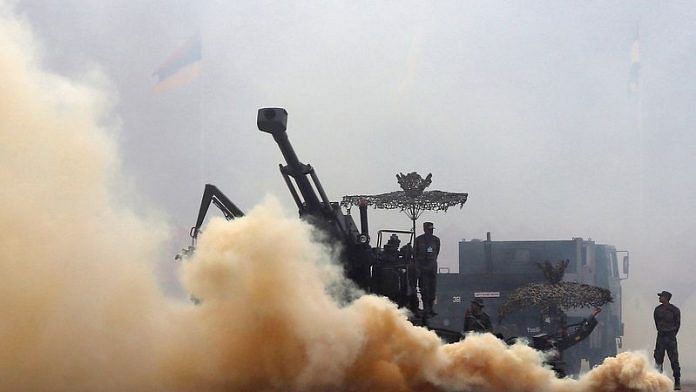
(477, 320)
(426, 249)
(667, 321)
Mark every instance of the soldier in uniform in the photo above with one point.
(667, 321)
(426, 249)
(475, 319)
(391, 249)
(412, 277)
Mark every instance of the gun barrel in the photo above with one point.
(281, 138)
(274, 121)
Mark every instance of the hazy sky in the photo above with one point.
(525, 105)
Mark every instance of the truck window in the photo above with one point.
(603, 266)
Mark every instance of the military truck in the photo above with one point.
(492, 270)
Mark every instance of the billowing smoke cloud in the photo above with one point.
(266, 322)
(79, 304)
(82, 309)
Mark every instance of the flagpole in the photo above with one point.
(201, 127)
(641, 136)
(641, 146)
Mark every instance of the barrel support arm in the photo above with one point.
(211, 194)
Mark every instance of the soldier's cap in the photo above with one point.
(428, 224)
(667, 293)
(478, 301)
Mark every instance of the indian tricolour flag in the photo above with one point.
(181, 67)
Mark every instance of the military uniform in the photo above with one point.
(412, 276)
(667, 321)
(426, 249)
(477, 320)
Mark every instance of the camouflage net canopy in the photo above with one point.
(413, 199)
(566, 295)
(428, 201)
(554, 293)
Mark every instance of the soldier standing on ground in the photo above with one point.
(426, 249)
(475, 319)
(667, 321)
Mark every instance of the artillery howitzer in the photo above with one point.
(383, 271)
(316, 208)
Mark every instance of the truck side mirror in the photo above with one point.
(625, 265)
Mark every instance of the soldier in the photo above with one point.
(426, 249)
(412, 277)
(667, 321)
(391, 249)
(475, 319)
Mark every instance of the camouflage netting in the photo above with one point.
(428, 200)
(566, 295)
(413, 199)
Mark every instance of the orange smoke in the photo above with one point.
(82, 309)
(268, 323)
